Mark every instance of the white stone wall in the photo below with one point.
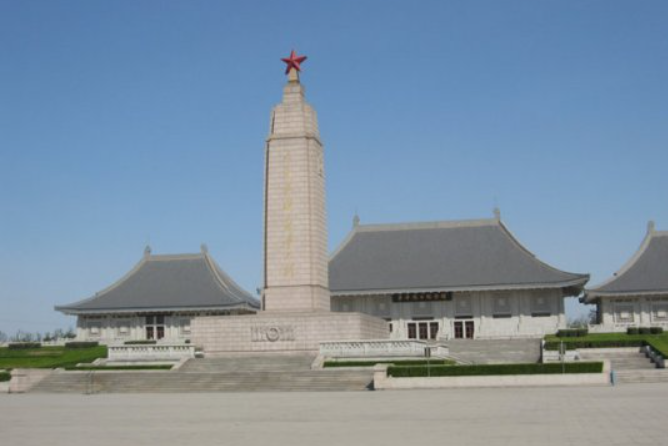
(518, 316)
(296, 259)
(619, 313)
(131, 327)
(285, 333)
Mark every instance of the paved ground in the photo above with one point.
(623, 415)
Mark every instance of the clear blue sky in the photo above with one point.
(133, 121)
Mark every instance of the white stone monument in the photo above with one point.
(296, 300)
(295, 257)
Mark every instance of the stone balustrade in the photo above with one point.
(379, 348)
(157, 352)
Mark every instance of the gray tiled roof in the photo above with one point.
(455, 256)
(645, 273)
(178, 282)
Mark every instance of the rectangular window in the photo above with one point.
(155, 327)
(501, 306)
(624, 313)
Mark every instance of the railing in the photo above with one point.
(150, 352)
(379, 348)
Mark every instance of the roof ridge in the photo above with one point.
(185, 256)
(521, 246)
(437, 224)
(225, 281)
(631, 262)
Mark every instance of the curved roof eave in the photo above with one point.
(628, 265)
(579, 282)
(70, 310)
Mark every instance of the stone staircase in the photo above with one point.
(258, 374)
(252, 364)
(630, 365)
(495, 351)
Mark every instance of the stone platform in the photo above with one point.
(281, 333)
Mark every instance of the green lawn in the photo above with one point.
(49, 357)
(403, 362)
(604, 340)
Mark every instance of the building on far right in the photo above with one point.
(636, 295)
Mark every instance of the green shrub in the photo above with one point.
(656, 330)
(23, 345)
(5, 376)
(401, 363)
(572, 332)
(659, 345)
(143, 342)
(81, 344)
(495, 369)
(119, 367)
(595, 343)
(644, 330)
(632, 331)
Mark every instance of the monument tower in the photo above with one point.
(295, 296)
(295, 232)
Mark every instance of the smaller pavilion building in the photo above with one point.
(158, 298)
(636, 295)
(453, 279)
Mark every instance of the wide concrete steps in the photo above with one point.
(642, 376)
(495, 351)
(621, 360)
(171, 382)
(249, 364)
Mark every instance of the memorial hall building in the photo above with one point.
(441, 280)
(636, 295)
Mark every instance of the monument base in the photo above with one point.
(281, 333)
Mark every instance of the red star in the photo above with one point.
(293, 62)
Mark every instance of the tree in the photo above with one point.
(70, 333)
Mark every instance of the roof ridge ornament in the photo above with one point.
(204, 248)
(147, 251)
(651, 227)
(497, 213)
(356, 220)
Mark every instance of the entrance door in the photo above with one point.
(470, 327)
(464, 329)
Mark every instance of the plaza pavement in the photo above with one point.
(625, 415)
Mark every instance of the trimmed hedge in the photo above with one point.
(594, 343)
(495, 369)
(572, 332)
(81, 344)
(23, 345)
(5, 376)
(146, 342)
(644, 330)
(401, 363)
(119, 367)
